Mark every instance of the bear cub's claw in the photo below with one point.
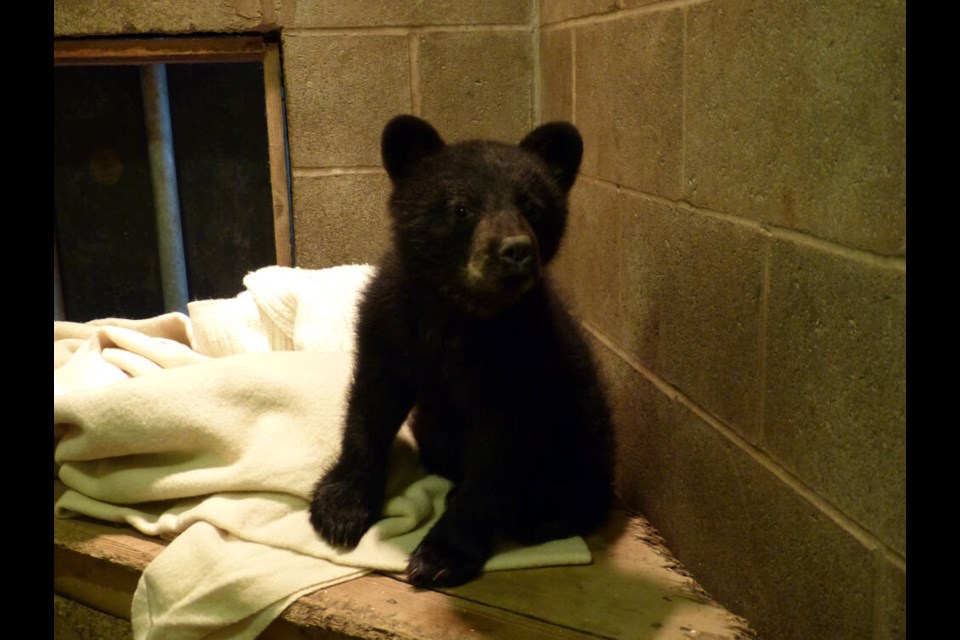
(341, 512)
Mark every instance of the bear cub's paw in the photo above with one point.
(438, 562)
(342, 511)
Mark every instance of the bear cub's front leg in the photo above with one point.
(348, 499)
(345, 506)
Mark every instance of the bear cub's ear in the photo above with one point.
(559, 144)
(406, 140)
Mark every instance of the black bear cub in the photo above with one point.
(460, 330)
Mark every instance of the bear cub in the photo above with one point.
(460, 331)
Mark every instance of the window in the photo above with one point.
(145, 216)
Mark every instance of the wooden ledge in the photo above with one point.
(634, 589)
(162, 50)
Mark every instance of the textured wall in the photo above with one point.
(350, 66)
(738, 251)
(737, 245)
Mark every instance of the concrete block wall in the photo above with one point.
(349, 66)
(737, 246)
(737, 251)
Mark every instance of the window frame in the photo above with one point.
(209, 49)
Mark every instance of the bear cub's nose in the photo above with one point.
(517, 251)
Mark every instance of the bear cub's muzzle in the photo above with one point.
(504, 257)
(518, 253)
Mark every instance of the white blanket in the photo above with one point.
(213, 428)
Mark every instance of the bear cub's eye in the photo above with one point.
(461, 212)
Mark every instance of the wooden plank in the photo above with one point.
(158, 50)
(104, 585)
(58, 312)
(383, 607)
(633, 589)
(98, 564)
(277, 150)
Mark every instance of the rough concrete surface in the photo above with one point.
(108, 17)
(556, 75)
(629, 97)
(341, 90)
(477, 84)
(337, 13)
(796, 115)
(340, 219)
(835, 399)
(761, 549)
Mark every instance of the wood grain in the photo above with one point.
(277, 149)
(633, 590)
(158, 50)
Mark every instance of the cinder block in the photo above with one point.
(892, 621)
(340, 219)
(107, 17)
(558, 10)
(691, 305)
(750, 540)
(628, 93)
(556, 75)
(477, 84)
(587, 264)
(341, 90)
(369, 13)
(796, 115)
(835, 399)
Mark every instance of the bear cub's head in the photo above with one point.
(478, 220)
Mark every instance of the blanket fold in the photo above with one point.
(214, 428)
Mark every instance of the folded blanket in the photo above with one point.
(283, 309)
(213, 428)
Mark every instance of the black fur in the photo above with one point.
(460, 327)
